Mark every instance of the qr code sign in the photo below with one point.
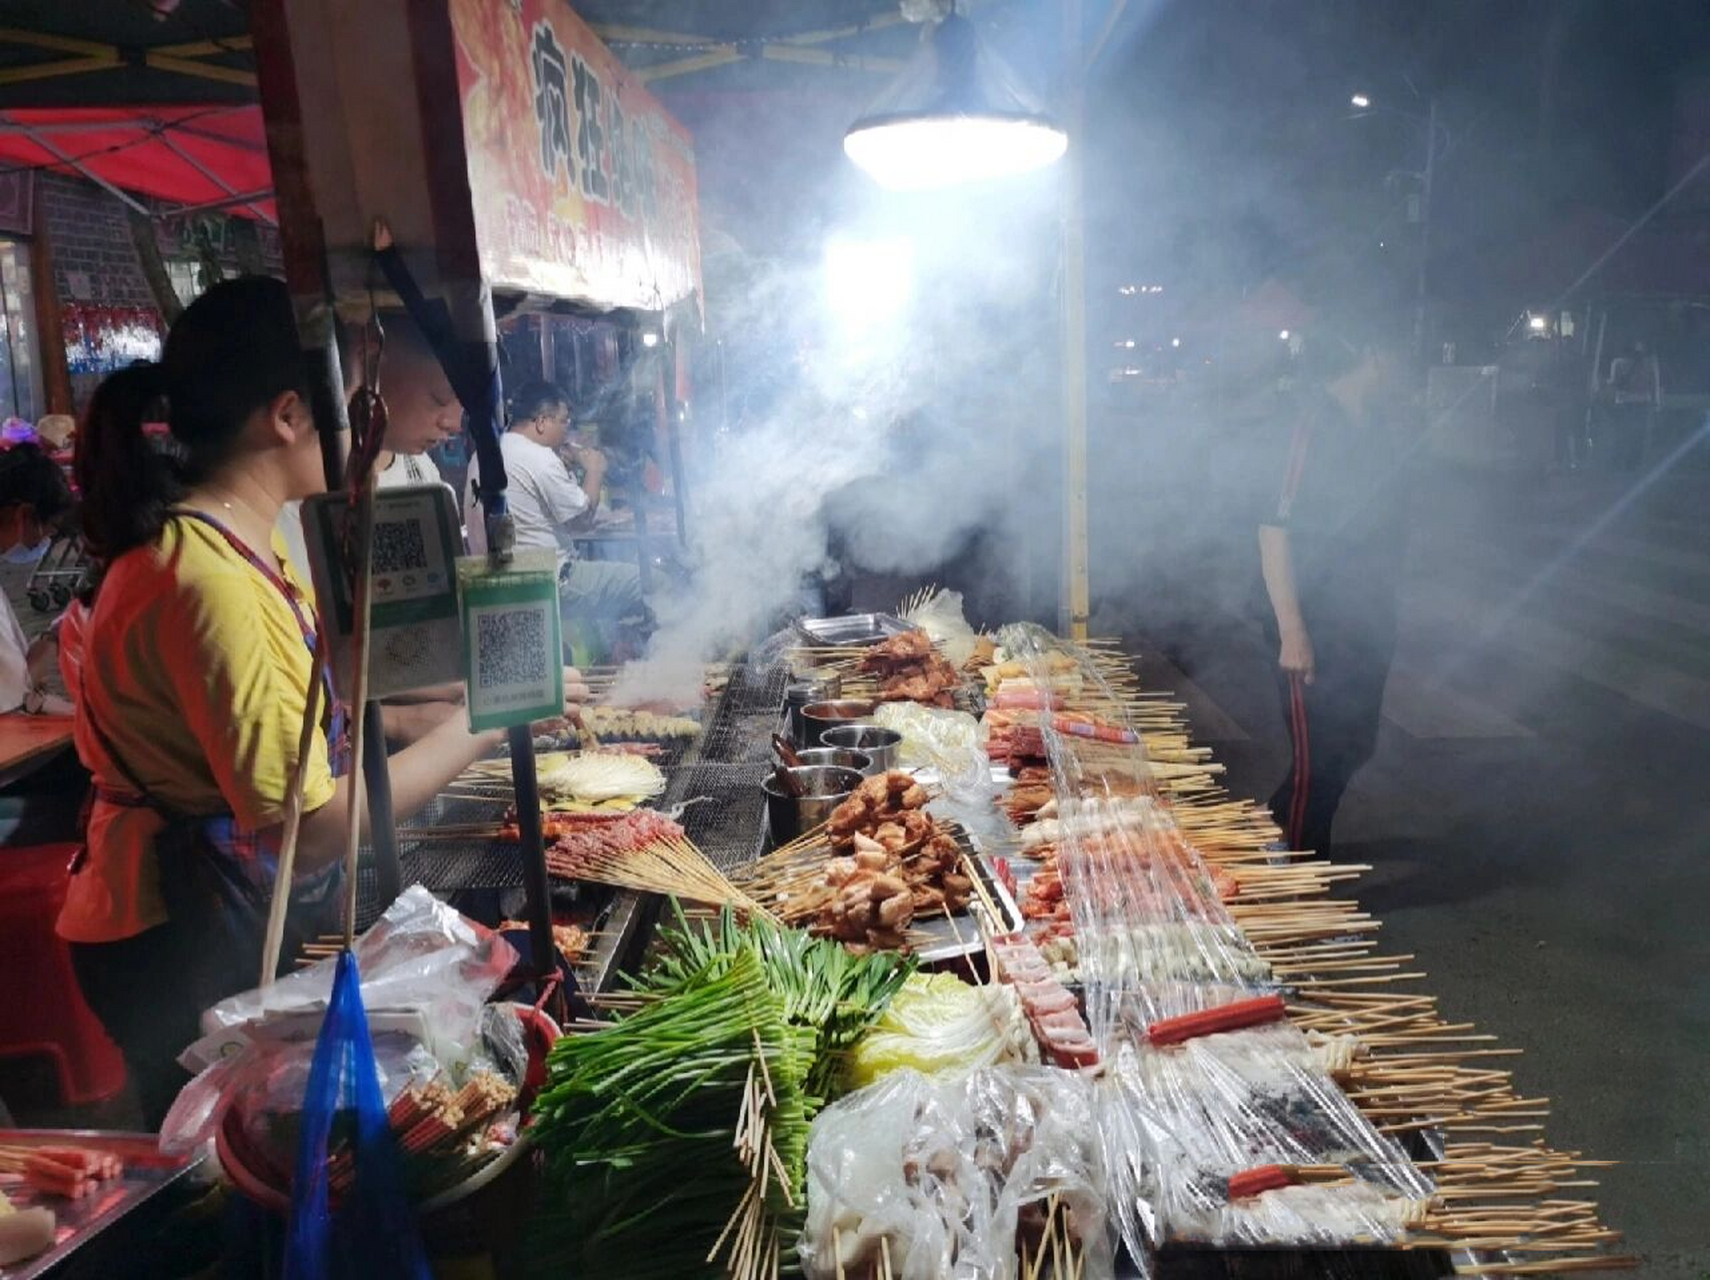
(399, 546)
(513, 647)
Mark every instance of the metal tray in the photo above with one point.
(147, 1173)
(952, 937)
(857, 629)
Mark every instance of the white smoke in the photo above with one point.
(891, 372)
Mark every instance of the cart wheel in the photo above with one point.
(61, 594)
(40, 600)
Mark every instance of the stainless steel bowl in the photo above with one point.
(836, 757)
(817, 717)
(881, 745)
(789, 816)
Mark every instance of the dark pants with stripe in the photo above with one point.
(1332, 722)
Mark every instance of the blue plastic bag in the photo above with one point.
(374, 1233)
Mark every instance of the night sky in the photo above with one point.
(1227, 148)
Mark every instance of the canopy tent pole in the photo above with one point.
(307, 275)
(1076, 602)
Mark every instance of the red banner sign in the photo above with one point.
(583, 185)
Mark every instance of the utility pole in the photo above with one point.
(1076, 600)
(1421, 327)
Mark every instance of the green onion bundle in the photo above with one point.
(822, 985)
(675, 1141)
(641, 1126)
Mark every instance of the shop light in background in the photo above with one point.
(649, 338)
(954, 115)
(1282, 335)
(1538, 324)
(1175, 342)
(868, 282)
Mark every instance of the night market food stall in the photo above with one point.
(1035, 997)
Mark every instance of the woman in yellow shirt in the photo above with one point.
(194, 672)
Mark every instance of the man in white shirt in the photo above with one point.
(549, 509)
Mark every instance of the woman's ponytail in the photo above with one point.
(127, 483)
(231, 352)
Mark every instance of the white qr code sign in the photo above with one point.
(412, 619)
(512, 640)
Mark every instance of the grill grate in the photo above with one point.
(721, 770)
(726, 812)
(748, 714)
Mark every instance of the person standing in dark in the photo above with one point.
(1332, 535)
(1636, 383)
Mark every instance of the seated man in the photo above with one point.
(549, 509)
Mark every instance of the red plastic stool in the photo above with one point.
(44, 1014)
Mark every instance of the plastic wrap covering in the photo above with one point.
(942, 618)
(1218, 1109)
(952, 1179)
(1146, 910)
(953, 743)
(1213, 1135)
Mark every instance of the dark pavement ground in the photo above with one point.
(1538, 814)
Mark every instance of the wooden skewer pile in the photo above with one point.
(674, 867)
(756, 1247)
(1500, 1188)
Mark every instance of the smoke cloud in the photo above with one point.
(883, 389)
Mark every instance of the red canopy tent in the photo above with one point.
(200, 157)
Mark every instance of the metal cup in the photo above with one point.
(789, 816)
(803, 692)
(817, 717)
(881, 745)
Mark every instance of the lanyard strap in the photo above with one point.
(338, 727)
(305, 625)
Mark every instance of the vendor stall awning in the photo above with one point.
(210, 156)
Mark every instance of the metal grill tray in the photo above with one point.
(856, 629)
(147, 1173)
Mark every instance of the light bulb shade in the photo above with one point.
(956, 114)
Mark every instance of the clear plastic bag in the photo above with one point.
(863, 1202)
(953, 1178)
(428, 973)
(952, 743)
(1224, 1105)
(420, 958)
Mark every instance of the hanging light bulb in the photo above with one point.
(955, 115)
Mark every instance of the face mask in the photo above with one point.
(21, 554)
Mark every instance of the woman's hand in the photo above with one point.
(1295, 656)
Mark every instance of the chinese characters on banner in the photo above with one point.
(583, 186)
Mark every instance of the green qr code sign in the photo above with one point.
(512, 641)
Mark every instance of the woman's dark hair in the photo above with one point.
(231, 351)
(535, 398)
(27, 475)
